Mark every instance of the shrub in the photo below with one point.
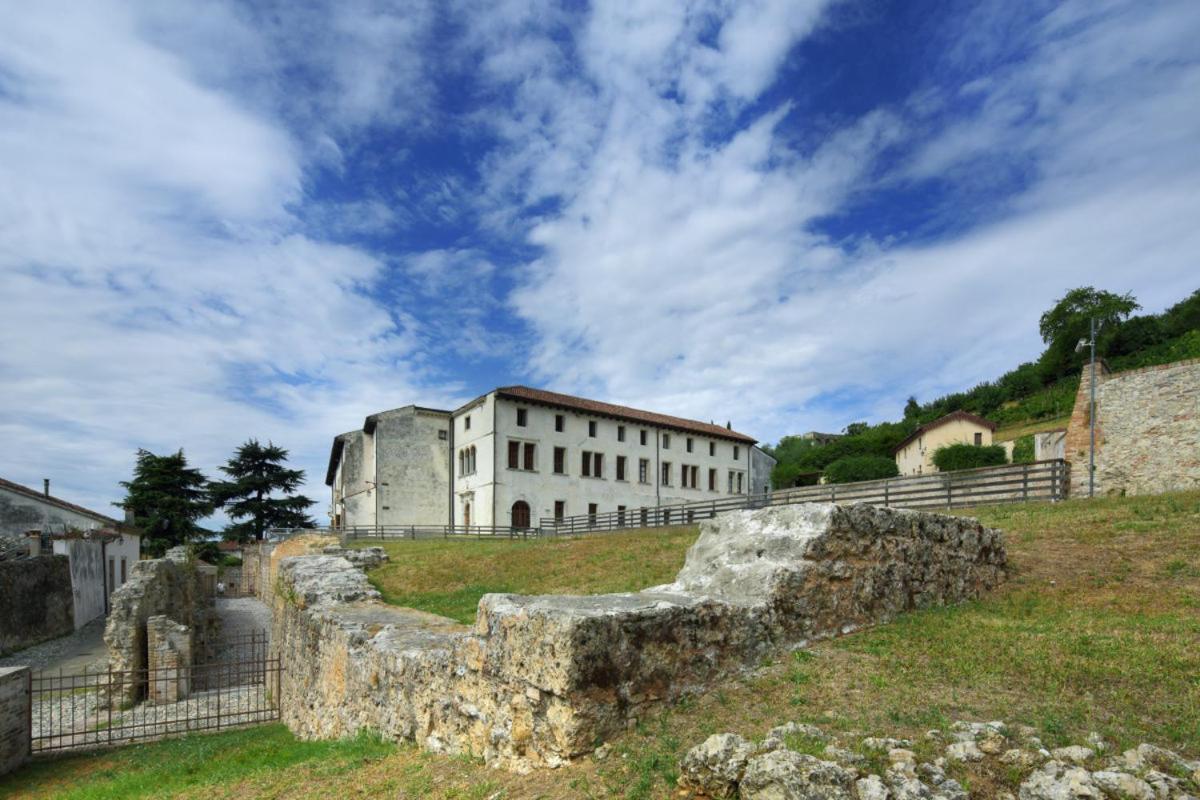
(1023, 450)
(952, 457)
(860, 468)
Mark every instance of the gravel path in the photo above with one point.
(241, 615)
(72, 653)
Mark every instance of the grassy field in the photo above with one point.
(1097, 629)
(1020, 429)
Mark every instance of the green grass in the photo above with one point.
(449, 577)
(163, 769)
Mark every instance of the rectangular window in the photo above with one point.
(529, 453)
(514, 455)
(560, 422)
(712, 448)
(585, 465)
(620, 468)
(592, 428)
(978, 439)
(443, 435)
(642, 434)
(666, 473)
(597, 465)
(739, 482)
(689, 444)
(123, 572)
(712, 480)
(666, 441)
(522, 417)
(467, 422)
(592, 509)
(730, 481)
(111, 576)
(560, 509)
(620, 433)
(560, 460)
(737, 452)
(695, 477)
(643, 470)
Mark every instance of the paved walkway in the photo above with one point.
(71, 653)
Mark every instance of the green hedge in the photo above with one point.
(1023, 450)
(860, 468)
(953, 457)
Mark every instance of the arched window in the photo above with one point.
(471, 459)
(462, 462)
(520, 514)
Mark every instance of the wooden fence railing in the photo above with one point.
(1012, 483)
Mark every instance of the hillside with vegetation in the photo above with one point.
(1036, 395)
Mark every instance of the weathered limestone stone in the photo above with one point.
(1058, 781)
(168, 586)
(964, 751)
(1122, 786)
(871, 787)
(1075, 754)
(540, 680)
(785, 775)
(715, 766)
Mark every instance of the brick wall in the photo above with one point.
(14, 718)
(1147, 430)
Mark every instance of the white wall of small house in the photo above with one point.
(540, 487)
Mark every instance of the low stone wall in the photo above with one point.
(35, 601)
(14, 718)
(172, 587)
(540, 680)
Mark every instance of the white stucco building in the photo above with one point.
(515, 455)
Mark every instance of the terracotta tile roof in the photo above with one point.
(965, 416)
(54, 501)
(621, 412)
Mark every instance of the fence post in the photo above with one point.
(1025, 483)
(949, 493)
(886, 482)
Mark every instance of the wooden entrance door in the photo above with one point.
(520, 514)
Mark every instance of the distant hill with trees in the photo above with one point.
(1034, 391)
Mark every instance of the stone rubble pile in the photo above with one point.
(728, 766)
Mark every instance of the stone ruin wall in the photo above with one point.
(539, 680)
(1147, 430)
(170, 587)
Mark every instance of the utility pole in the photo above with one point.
(1092, 417)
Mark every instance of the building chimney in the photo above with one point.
(46, 486)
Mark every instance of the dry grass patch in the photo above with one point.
(1025, 428)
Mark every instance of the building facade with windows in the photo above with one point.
(517, 455)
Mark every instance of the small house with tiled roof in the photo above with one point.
(914, 455)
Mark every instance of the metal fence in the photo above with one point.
(414, 532)
(1012, 483)
(87, 710)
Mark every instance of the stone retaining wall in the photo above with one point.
(539, 680)
(14, 718)
(1147, 430)
(36, 603)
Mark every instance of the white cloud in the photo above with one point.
(686, 276)
(156, 288)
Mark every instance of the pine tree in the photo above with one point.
(256, 472)
(165, 498)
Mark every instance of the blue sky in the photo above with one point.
(238, 219)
